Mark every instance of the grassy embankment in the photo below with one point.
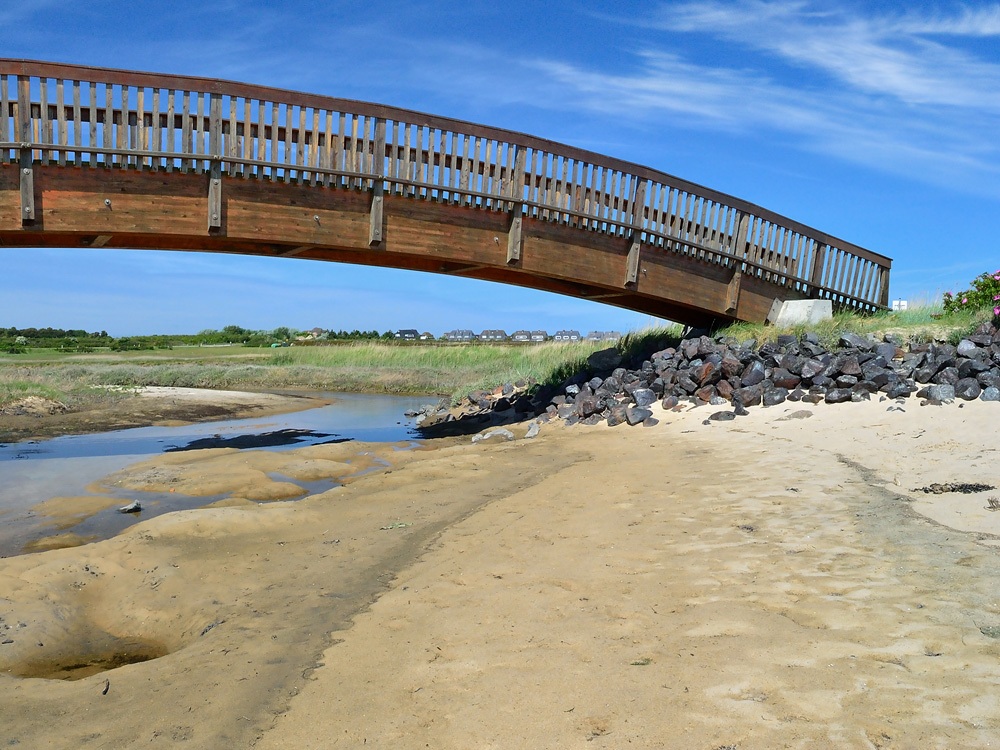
(391, 368)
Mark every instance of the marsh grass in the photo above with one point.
(357, 367)
(377, 367)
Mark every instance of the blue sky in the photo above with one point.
(872, 121)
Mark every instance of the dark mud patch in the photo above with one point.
(109, 654)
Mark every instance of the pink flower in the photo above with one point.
(996, 310)
(964, 300)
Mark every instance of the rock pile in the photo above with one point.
(724, 372)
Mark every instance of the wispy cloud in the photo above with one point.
(903, 93)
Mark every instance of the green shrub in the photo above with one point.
(985, 292)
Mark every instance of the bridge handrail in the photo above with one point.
(422, 156)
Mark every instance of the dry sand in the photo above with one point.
(768, 582)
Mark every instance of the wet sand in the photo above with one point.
(34, 418)
(769, 582)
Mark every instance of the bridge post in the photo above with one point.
(25, 160)
(215, 162)
(819, 261)
(514, 239)
(635, 242)
(375, 234)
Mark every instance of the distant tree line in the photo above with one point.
(18, 340)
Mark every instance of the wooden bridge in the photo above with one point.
(96, 157)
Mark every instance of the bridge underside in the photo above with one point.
(116, 208)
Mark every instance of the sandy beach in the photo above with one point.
(774, 581)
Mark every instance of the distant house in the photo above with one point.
(538, 336)
(407, 334)
(521, 336)
(426, 336)
(566, 336)
(315, 332)
(595, 336)
(493, 334)
(460, 335)
(612, 336)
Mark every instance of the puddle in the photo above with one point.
(31, 473)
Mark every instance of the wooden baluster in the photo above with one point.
(62, 137)
(259, 170)
(139, 143)
(248, 137)
(407, 159)
(4, 117)
(170, 134)
(121, 135)
(77, 125)
(156, 144)
(300, 146)
(231, 134)
(187, 145)
(314, 150)
(44, 123)
(637, 221)
(328, 137)
(288, 155)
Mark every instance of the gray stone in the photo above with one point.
(965, 348)
(637, 414)
(775, 396)
(753, 374)
(617, 416)
(749, 396)
(643, 397)
(990, 394)
(669, 402)
(717, 401)
(650, 422)
(812, 367)
(499, 434)
(572, 389)
(887, 350)
(838, 395)
(944, 392)
(132, 507)
(723, 416)
(968, 389)
(605, 359)
(854, 341)
(533, 429)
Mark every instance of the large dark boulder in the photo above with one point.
(643, 397)
(774, 396)
(838, 395)
(637, 414)
(604, 360)
(754, 373)
(968, 389)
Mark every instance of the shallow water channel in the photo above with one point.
(32, 472)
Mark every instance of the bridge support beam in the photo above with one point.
(733, 293)
(635, 243)
(515, 241)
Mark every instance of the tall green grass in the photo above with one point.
(358, 367)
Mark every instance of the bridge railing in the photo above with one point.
(52, 113)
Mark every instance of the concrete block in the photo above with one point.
(800, 312)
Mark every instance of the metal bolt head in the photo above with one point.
(27, 209)
(27, 171)
(215, 217)
(107, 201)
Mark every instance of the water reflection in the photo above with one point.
(63, 467)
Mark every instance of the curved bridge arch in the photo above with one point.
(93, 157)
